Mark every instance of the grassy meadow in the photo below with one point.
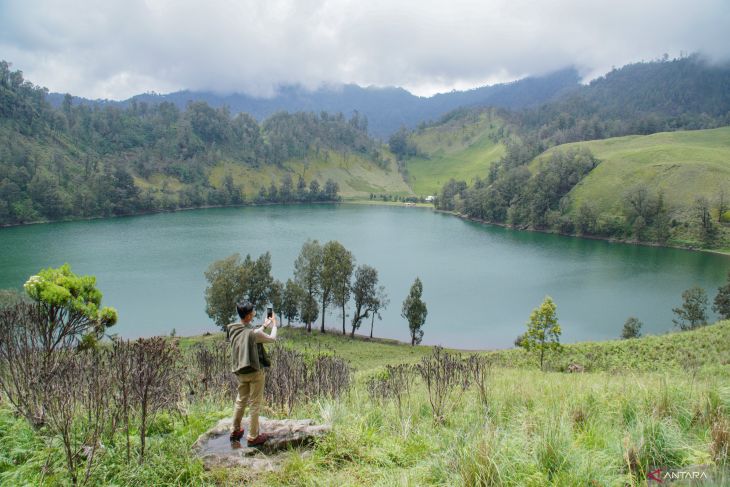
(356, 176)
(658, 401)
(461, 148)
(683, 165)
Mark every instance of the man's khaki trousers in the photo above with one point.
(251, 394)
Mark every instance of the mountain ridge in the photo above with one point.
(386, 108)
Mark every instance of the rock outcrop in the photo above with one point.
(216, 450)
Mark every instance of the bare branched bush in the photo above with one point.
(295, 378)
(26, 363)
(156, 381)
(77, 407)
(480, 369)
(121, 360)
(720, 446)
(286, 379)
(442, 372)
(329, 376)
(395, 384)
(210, 374)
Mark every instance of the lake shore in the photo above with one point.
(725, 252)
(368, 202)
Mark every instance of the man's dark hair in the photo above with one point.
(244, 308)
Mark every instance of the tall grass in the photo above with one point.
(532, 429)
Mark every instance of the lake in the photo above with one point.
(480, 282)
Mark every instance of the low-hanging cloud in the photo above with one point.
(117, 48)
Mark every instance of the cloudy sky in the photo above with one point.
(118, 48)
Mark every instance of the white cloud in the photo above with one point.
(115, 48)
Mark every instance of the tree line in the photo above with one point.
(80, 160)
(685, 93)
(324, 276)
(513, 194)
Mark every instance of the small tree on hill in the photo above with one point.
(309, 310)
(308, 273)
(632, 328)
(230, 280)
(693, 312)
(276, 297)
(70, 306)
(364, 294)
(381, 302)
(721, 305)
(543, 331)
(291, 298)
(414, 310)
(337, 266)
(707, 228)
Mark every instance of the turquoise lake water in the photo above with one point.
(480, 282)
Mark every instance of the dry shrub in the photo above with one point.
(579, 418)
(77, 406)
(156, 383)
(26, 363)
(480, 368)
(295, 377)
(720, 446)
(442, 372)
(394, 383)
(210, 374)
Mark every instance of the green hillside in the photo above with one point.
(81, 161)
(356, 176)
(462, 146)
(681, 165)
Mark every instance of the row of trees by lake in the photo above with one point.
(324, 276)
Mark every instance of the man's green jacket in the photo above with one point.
(244, 353)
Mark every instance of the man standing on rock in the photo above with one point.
(248, 359)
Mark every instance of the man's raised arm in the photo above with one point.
(261, 337)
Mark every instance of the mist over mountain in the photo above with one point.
(386, 108)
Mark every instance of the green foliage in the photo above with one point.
(291, 298)
(308, 276)
(415, 311)
(364, 294)
(337, 266)
(721, 304)
(543, 330)
(640, 98)
(230, 280)
(514, 195)
(71, 304)
(632, 328)
(668, 172)
(399, 144)
(225, 287)
(309, 311)
(693, 312)
(74, 161)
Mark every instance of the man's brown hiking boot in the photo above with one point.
(236, 435)
(259, 440)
